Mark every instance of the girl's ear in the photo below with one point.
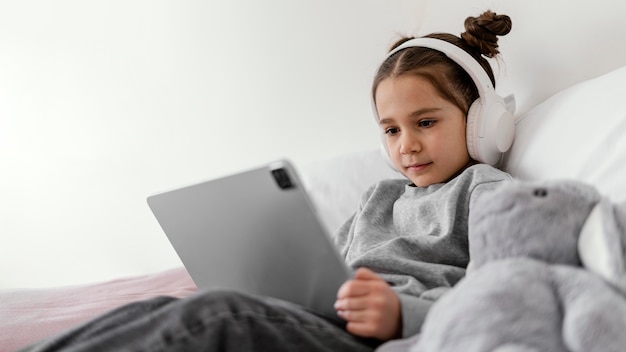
(602, 243)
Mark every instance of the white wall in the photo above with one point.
(105, 102)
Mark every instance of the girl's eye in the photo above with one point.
(391, 131)
(426, 123)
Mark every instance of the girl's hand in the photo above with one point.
(370, 306)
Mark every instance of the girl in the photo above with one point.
(415, 236)
(408, 238)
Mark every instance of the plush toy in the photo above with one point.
(546, 273)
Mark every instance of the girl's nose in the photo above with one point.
(409, 144)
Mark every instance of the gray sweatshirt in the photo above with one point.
(416, 237)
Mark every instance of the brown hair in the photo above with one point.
(451, 81)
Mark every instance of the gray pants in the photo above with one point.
(208, 321)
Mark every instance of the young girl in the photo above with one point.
(407, 240)
(415, 235)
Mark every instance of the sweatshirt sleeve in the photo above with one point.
(487, 187)
(344, 234)
(414, 311)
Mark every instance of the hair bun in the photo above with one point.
(482, 32)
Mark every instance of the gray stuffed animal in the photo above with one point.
(547, 273)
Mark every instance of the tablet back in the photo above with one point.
(255, 232)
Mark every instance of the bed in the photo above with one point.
(578, 132)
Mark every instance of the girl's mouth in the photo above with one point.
(417, 167)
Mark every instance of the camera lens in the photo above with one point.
(282, 178)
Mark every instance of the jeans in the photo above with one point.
(208, 321)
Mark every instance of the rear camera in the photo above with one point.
(282, 178)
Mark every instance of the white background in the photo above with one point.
(105, 102)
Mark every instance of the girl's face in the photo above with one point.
(425, 134)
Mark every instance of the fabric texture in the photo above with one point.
(28, 315)
(416, 237)
(527, 289)
(208, 321)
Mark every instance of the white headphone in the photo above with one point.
(490, 126)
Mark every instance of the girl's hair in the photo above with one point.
(451, 81)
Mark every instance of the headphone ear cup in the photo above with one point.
(498, 127)
(471, 134)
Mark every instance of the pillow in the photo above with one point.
(337, 184)
(578, 133)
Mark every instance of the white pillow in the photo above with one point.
(337, 184)
(579, 133)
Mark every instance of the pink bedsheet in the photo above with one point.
(28, 315)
